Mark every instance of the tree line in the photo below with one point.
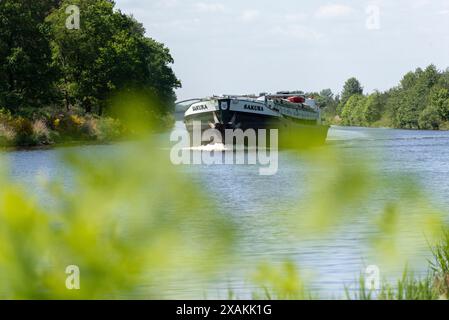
(419, 101)
(47, 67)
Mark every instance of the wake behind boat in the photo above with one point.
(295, 116)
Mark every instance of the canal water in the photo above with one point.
(260, 206)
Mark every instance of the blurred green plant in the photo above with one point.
(281, 282)
(440, 265)
(409, 287)
(129, 218)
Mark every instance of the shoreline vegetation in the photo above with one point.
(60, 83)
(419, 102)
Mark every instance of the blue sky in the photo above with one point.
(252, 46)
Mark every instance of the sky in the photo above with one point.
(253, 46)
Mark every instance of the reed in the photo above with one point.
(440, 265)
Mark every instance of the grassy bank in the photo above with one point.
(61, 128)
(72, 128)
(382, 123)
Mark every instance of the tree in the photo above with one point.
(374, 108)
(26, 75)
(409, 80)
(326, 101)
(351, 87)
(407, 102)
(430, 76)
(408, 108)
(107, 55)
(430, 119)
(353, 111)
(439, 100)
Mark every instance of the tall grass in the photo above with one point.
(17, 131)
(409, 287)
(440, 265)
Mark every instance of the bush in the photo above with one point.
(353, 111)
(101, 129)
(41, 133)
(68, 126)
(373, 108)
(430, 119)
(23, 129)
(444, 126)
(71, 126)
(7, 135)
(5, 115)
(89, 128)
(108, 129)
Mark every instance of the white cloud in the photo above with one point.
(334, 11)
(419, 4)
(167, 4)
(249, 15)
(209, 7)
(295, 31)
(295, 17)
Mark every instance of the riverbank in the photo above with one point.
(67, 144)
(382, 124)
(18, 132)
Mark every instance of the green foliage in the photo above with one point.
(353, 113)
(72, 127)
(279, 282)
(440, 265)
(23, 129)
(430, 119)
(104, 129)
(327, 102)
(351, 87)
(41, 133)
(421, 101)
(408, 104)
(5, 115)
(373, 108)
(44, 64)
(409, 287)
(62, 128)
(109, 54)
(120, 222)
(439, 99)
(26, 75)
